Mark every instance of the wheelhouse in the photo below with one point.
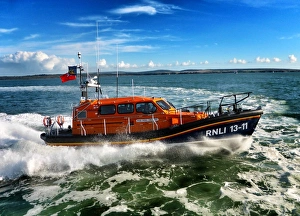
(127, 115)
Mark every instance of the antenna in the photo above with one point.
(82, 87)
(117, 90)
(79, 57)
(98, 52)
(98, 89)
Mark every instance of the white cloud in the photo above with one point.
(292, 58)
(262, 60)
(238, 61)
(163, 8)
(70, 24)
(102, 62)
(282, 4)
(101, 20)
(205, 62)
(151, 64)
(122, 64)
(6, 31)
(136, 9)
(295, 36)
(89, 21)
(32, 36)
(187, 63)
(148, 7)
(136, 48)
(24, 63)
(275, 59)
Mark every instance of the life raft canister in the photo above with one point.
(60, 120)
(47, 121)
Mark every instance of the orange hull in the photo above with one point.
(128, 120)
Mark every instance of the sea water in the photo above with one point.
(254, 176)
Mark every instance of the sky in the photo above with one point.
(44, 37)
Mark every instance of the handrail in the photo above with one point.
(192, 106)
(208, 108)
(104, 125)
(54, 130)
(82, 131)
(180, 115)
(154, 122)
(235, 98)
(128, 126)
(235, 103)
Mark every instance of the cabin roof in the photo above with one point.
(120, 100)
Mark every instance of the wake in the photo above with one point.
(23, 153)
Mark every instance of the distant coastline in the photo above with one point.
(162, 72)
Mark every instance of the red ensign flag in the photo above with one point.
(71, 75)
(67, 77)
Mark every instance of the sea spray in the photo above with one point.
(156, 179)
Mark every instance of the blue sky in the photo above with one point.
(43, 37)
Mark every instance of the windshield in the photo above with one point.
(163, 104)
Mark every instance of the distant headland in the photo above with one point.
(162, 72)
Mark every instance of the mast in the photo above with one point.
(83, 85)
(80, 77)
(89, 81)
(98, 88)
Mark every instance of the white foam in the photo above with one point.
(24, 153)
(233, 145)
(181, 196)
(264, 187)
(11, 132)
(253, 195)
(45, 194)
(156, 211)
(118, 208)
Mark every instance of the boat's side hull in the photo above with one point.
(217, 127)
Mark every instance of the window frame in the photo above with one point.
(144, 111)
(101, 112)
(161, 105)
(82, 114)
(130, 111)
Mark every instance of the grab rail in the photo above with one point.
(82, 129)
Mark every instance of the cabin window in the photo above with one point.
(172, 105)
(146, 108)
(125, 108)
(107, 109)
(81, 115)
(163, 104)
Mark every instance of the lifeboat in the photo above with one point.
(140, 119)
